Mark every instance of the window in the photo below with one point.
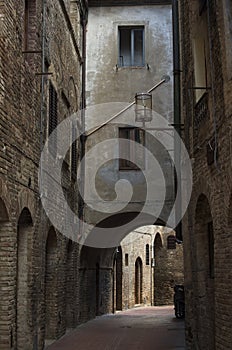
(147, 255)
(29, 24)
(201, 53)
(126, 259)
(171, 242)
(131, 46)
(52, 119)
(211, 249)
(131, 155)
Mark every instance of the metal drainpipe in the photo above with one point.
(177, 106)
(42, 76)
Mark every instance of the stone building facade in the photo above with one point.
(206, 38)
(148, 264)
(40, 85)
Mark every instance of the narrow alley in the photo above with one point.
(142, 328)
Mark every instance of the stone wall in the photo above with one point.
(162, 268)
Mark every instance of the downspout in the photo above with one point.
(177, 111)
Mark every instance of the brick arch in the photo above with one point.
(201, 187)
(5, 198)
(4, 216)
(25, 232)
(204, 271)
(26, 199)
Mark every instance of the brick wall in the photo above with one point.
(208, 299)
(33, 307)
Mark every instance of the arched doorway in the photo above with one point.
(51, 286)
(204, 275)
(156, 261)
(138, 281)
(24, 246)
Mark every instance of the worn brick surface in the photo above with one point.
(33, 268)
(208, 299)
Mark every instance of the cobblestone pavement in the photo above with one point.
(145, 328)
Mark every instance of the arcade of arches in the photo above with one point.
(66, 284)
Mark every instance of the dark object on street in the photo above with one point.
(179, 303)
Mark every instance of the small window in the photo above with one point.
(126, 259)
(131, 46)
(52, 119)
(171, 242)
(211, 249)
(131, 156)
(147, 255)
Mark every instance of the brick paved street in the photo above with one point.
(146, 328)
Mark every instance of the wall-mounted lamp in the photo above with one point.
(143, 107)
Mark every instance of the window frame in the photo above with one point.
(132, 29)
(147, 251)
(123, 163)
(171, 242)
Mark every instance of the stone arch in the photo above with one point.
(51, 259)
(204, 272)
(24, 266)
(138, 281)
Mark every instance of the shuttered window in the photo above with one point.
(171, 242)
(131, 46)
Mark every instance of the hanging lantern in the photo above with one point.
(143, 107)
